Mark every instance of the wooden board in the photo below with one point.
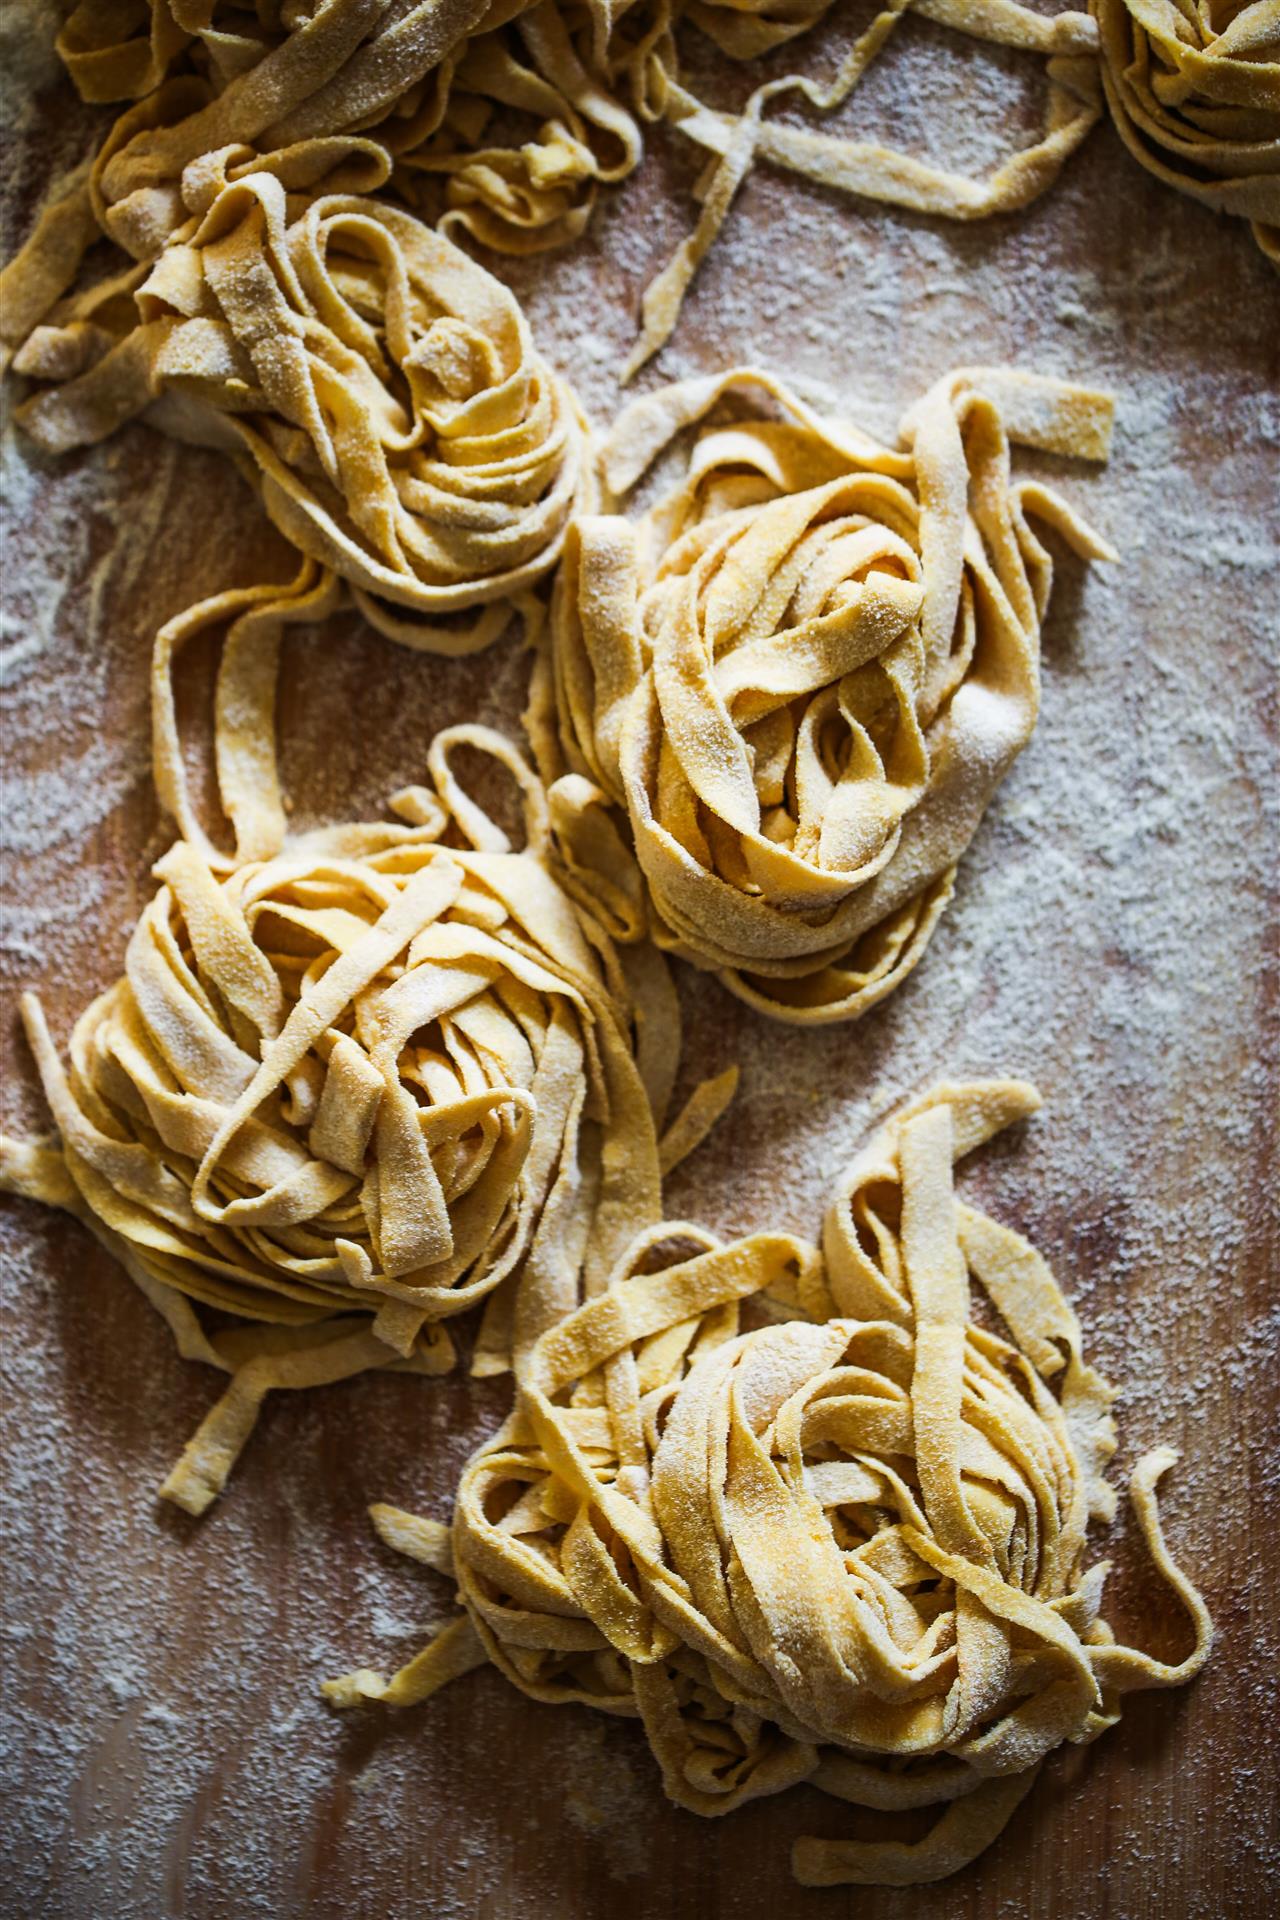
(1112, 937)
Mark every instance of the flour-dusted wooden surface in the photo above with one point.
(165, 1751)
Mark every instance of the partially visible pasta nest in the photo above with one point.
(379, 389)
(1195, 95)
(803, 673)
(846, 1546)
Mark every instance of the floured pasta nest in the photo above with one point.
(804, 672)
(354, 1080)
(379, 389)
(849, 1548)
(503, 118)
(1195, 96)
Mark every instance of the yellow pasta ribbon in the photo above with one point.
(803, 673)
(868, 168)
(846, 1546)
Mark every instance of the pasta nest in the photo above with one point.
(1195, 96)
(380, 1070)
(380, 390)
(805, 671)
(848, 1548)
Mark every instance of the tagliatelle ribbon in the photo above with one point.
(379, 389)
(573, 82)
(354, 1080)
(1194, 91)
(849, 1548)
(803, 674)
(868, 168)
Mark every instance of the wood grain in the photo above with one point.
(165, 1752)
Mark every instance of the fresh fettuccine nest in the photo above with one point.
(849, 1548)
(378, 388)
(353, 1080)
(504, 118)
(1195, 95)
(804, 672)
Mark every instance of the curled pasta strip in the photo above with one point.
(848, 1547)
(868, 168)
(353, 1080)
(1195, 95)
(570, 78)
(380, 390)
(804, 673)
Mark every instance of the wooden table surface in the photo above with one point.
(165, 1752)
